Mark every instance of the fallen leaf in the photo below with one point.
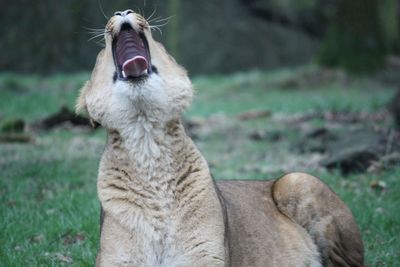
(378, 185)
(80, 237)
(37, 238)
(380, 210)
(18, 248)
(253, 114)
(70, 239)
(50, 211)
(63, 258)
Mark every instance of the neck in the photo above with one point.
(148, 148)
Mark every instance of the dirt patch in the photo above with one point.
(350, 142)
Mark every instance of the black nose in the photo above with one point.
(123, 13)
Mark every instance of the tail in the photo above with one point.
(310, 203)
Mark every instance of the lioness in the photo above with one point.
(160, 205)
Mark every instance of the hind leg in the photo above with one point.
(310, 203)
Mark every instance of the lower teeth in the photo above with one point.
(125, 76)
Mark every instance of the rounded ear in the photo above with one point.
(80, 105)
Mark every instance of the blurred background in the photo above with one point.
(281, 86)
(207, 37)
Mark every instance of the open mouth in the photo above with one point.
(131, 54)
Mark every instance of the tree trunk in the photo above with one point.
(173, 27)
(361, 35)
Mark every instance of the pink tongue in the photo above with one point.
(131, 54)
(134, 67)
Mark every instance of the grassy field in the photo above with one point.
(49, 210)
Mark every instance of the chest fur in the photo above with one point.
(142, 210)
(150, 209)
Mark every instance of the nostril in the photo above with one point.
(118, 13)
(129, 11)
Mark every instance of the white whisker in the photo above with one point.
(164, 19)
(153, 19)
(139, 11)
(93, 29)
(152, 14)
(102, 10)
(161, 25)
(156, 28)
(96, 36)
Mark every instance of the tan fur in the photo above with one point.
(160, 205)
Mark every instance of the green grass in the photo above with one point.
(33, 97)
(48, 191)
(259, 90)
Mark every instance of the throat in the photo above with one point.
(146, 149)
